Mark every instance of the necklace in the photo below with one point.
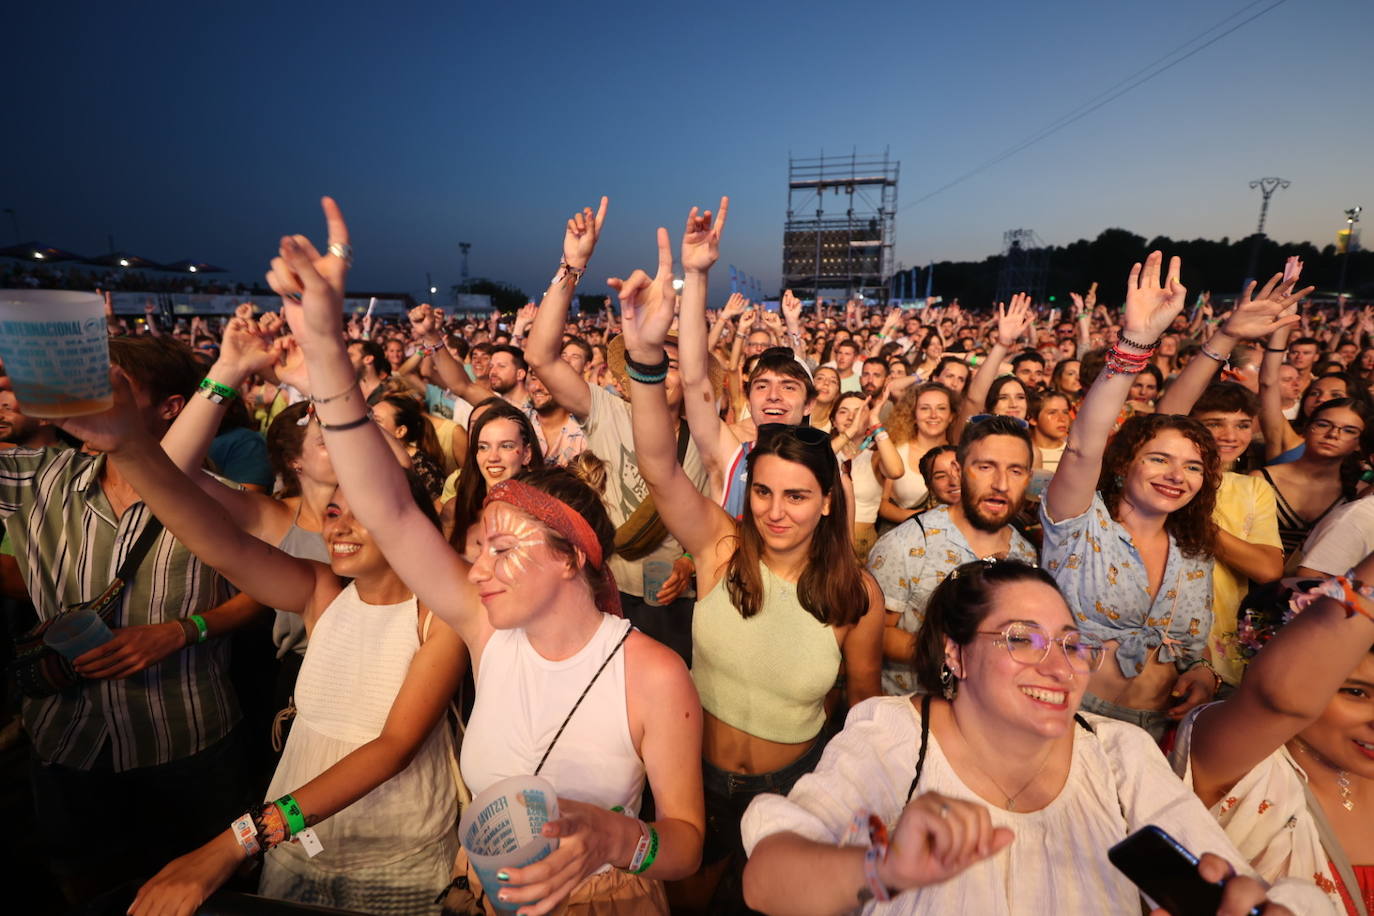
(1342, 777)
(1011, 799)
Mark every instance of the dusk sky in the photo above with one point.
(208, 130)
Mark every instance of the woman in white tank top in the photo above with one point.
(920, 422)
(538, 595)
(368, 765)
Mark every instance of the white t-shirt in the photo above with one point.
(611, 437)
(1057, 864)
(1342, 539)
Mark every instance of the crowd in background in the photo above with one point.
(801, 607)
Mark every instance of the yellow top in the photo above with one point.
(1246, 509)
(767, 675)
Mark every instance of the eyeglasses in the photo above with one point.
(980, 417)
(806, 435)
(1030, 645)
(1325, 426)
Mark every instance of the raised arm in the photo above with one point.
(197, 521)
(542, 349)
(1150, 307)
(1012, 322)
(1257, 318)
(715, 441)
(646, 308)
(1286, 688)
(312, 291)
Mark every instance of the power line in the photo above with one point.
(1108, 95)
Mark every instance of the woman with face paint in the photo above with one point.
(366, 772)
(539, 613)
(782, 598)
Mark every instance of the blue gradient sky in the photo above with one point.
(205, 131)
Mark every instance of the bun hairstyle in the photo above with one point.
(957, 608)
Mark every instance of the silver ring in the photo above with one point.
(343, 251)
(944, 810)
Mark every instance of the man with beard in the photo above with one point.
(873, 377)
(21, 431)
(507, 373)
(561, 438)
(994, 463)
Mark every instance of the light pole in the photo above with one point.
(1352, 219)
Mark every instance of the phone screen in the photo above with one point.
(1167, 873)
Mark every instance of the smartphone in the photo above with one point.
(1167, 873)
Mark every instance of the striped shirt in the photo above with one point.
(69, 545)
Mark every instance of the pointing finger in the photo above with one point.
(720, 216)
(665, 253)
(334, 220)
(601, 213)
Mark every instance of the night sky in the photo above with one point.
(207, 130)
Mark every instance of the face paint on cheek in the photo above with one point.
(505, 523)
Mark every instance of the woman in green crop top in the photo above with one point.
(784, 600)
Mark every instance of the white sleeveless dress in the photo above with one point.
(392, 850)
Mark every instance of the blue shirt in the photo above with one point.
(910, 560)
(735, 499)
(1103, 578)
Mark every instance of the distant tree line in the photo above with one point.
(1216, 265)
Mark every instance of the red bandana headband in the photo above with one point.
(561, 517)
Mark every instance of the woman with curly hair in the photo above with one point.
(920, 422)
(1128, 530)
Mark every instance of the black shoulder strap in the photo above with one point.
(925, 741)
(151, 529)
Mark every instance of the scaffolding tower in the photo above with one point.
(1025, 266)
(847, 253)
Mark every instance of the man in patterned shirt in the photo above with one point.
(994, 460)
(153, 721)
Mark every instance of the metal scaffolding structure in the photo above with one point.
(848, 253)
(1025, 265)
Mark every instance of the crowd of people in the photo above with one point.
(809, 609)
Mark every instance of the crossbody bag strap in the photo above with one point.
(1332, 846)
(629, 627)
(132, 560)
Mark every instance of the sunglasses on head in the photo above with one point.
(980, 417)
(806, 435)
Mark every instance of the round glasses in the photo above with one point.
(1325, 426)
(1030, 645)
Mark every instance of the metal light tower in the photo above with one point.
(1267, 187)
(1352, 219)
(465, 247)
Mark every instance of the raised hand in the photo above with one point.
(791, 309)
(312, 284)
(243, 349)
(701, 240)
(894, 318)
(291, 364)
(1153, 298)
(747, 318)
(579, 241)
(734, 306)
(937, 838)
(111, 429)
(422, 322)
(773, 322)
(243, 310)
(523, 319)
(1273, 309)
(270, 325)
(1013, 320)
(647, 305)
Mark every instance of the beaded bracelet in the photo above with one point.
(1123, 339)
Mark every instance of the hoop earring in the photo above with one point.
(949, 684)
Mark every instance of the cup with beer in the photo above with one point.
(55, 348)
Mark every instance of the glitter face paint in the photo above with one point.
(511, 537)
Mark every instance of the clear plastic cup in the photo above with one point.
(77, 632)
(501, 829)
(55, 345)
(656, 572)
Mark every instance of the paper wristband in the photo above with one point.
(202, 629)
(653, 852)
(247, 835)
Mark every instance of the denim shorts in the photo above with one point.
(1156, 723)
(729, 793)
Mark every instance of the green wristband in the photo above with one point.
(295, 821)
(216, 392)
(649, 856)
(201, 628)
